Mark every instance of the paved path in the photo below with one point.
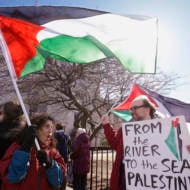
(69, 188)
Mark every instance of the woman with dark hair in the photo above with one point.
(24, 167)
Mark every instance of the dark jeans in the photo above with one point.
(79, 182)
(122, 183)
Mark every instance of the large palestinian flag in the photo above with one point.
(77, 35)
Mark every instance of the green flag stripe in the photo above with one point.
(171, 142)
(74, 49)
(80, 50)
(101, 46)
(34, 65)
(123, 114)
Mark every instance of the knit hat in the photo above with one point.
(80, 131)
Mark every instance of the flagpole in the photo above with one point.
(12, 73)
(107, 113)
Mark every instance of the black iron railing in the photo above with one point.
(102, 159)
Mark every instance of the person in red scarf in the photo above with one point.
(141, 109)
(24, 167)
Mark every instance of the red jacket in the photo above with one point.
(115, 139)
(34, 171)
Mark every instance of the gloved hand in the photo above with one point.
(44, 159)
(28, 138)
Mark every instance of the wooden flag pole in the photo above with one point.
(12, 73)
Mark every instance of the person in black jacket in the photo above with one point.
(12, 121)
(62, 141)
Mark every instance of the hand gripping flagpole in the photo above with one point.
(14, 78)
(107, 114)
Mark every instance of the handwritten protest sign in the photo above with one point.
(155, 154)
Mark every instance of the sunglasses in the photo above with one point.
(134, 108)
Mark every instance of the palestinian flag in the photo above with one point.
(77, 35)
(165, 106)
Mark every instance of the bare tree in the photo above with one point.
(89, 90)
(6, 86)
(86, 90)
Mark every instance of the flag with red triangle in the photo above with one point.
(166, 106)
(77, 35)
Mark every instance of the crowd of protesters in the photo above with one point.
(24, 166)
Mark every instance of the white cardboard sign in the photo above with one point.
(156, 155)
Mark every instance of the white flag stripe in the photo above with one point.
(124, 36)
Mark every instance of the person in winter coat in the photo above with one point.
(141, 109)
(81, 159)
(11, 123)
(62, 141)
(24, 167)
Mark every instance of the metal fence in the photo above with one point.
(102, 159)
